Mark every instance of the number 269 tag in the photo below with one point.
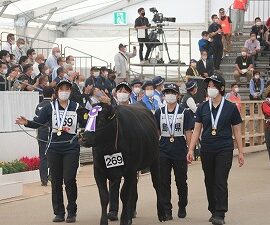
(114, 160)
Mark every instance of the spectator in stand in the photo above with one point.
(42, 83)
(243, 66)
(256, 87)
(136, 86)
(28, 83)
(121, 60)
(3, 78)
(39, 59)
(205, 66)
(10, 42)
(70, 60)
(267, 37)
(215, 32)
(22, 62)
(61, 75)
(253, 47)
(259, 29)
(31, 54)
(192, 69)
(43, 70)
(19, 49)
(206, 45)
(239, 9)
(4, 57)
(51, 62)
(13, 77)
(234, 96)
(60, 63)
(102, 81)
(94, 73)
(111, 78)
(226, 25)
(12, 61)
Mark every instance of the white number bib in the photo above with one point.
(179, 125)
(70, 123)
(114, 160)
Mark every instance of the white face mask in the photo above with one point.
(21, 46)
(72, 63)
(47, 72)
(212, 92)
(243, 53)
(63, 95)
(204, 57)
(236, 90)
(106, 74)
(267, 99)
(149, 93)
(57, 54)
(193, 64)
(5, 71)
(122, 97)
(170, 98)
(34, 56)
(257, 76)
(216, 20)
(13, 42)
(258, 23)
(96, 74)
(136, 90)
(81, 84)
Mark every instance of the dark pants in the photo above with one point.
(217, 56)
(63, 167)
(43, 166)
(145, 40)
(180, 172)
(267, 138)
(216, 167)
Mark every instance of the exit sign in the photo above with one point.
(120, 18)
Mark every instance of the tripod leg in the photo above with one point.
(166, 46)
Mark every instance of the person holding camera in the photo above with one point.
(142, 24)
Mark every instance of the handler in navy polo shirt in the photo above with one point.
(175, 124)
(218, 119)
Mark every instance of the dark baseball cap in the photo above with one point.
(136, 81)
(171, 87)
(215, 78)
(122, 46)
(62, 82)
(191, 84)
(148, 83)
(158, 80)
(193, 61)
(123, 84)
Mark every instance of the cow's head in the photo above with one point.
(101, 126)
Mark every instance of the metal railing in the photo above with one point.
(83, 60)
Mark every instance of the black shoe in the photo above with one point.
(71, 219)
(168, 216)
(182, 213)
(112, 216)
(218, 221)
(59, 218)
(211, 219)
(44, 183)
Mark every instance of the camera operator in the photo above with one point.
(142, 23)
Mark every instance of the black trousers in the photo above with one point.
(180, 172)
(267, 138)
(43, 167)
(63, 167)
(217, 56)
(145, 40)
(216, 167)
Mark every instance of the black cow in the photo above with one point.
(130, 130)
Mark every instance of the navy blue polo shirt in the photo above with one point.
(229, 117)
(178, 149)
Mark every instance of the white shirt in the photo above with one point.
(36, 70)
(18, 53)
(8, 47)
(204, 62)
(51, 62)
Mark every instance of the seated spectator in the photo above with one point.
(12, 61)
(19, 49)
(43, 71)
(259, 29)
(42, 83)
(39, 59)
(27, 83)
(13, 77)
(205, 44)
(10, 42)
(51, 62)
(205, 66)
(3, 78)
(94, 73)
(69, 69)
(61, 75)
(22, 62)
(4, 57)
(234, 96)
(102, 81)
(70, 60)
(31, 54)
(253, 47)
(60, 63)
(192, 70)
(256, 87)
(243, 66)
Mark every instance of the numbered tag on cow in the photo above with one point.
(114, 160)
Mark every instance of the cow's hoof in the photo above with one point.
(112, 216)
(104, 221)
(162, 217)
(129, 222)
(126, 222)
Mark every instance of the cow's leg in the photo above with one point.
(154, 169)
(101, 181)
(128, 197)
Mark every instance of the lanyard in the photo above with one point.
(215, 121)
(171, 127)
(60, 122)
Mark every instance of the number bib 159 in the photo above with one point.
(114, 160)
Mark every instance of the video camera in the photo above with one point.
(159, 18)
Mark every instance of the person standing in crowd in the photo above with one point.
(78, 91)
(31, 54)
(51, 62)
(192, 69)
(226, 25)
(142, 24)
(94, 73)
(253, 47)
(70, 60)
(234, 96)
(43, 70)
(243, 66)
(63, 148)
(256, 87)
(266, 112)
(111, 79)
(61, 75)
(39, 59)
(188, 101)
(148, 99)
(158, 81)
(136, 86)
(175, 125)
(259, 29)
(216, 121)
(121, 60)
(206, 45)
(205, 66)
(28, 83)
(43, 136)
(102, 81)
(239, 9)
(60, 63)
(19, 49)
(3, 78)
(215, 31)
(22, 62)
(10, 42)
